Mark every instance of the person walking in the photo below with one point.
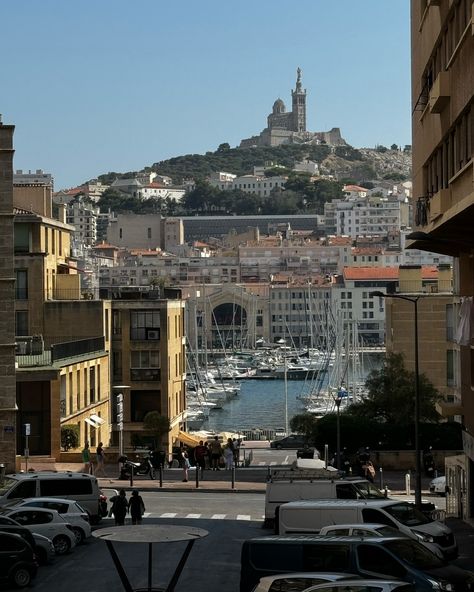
(200, 453)
(119, 508)
(216, 453)
(229, 454)
(100, 459)
(136, 507)
(185, 464)
(86, 459)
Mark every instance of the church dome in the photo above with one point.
(279, 106)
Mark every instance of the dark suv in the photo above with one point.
(17, 560)
(292, 441)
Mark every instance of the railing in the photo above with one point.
(60, 351)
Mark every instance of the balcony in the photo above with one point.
(30, 351)
(440, 93)
(440, 202)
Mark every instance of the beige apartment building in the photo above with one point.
(148, 358)
(443, 191)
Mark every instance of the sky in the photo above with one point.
(107, 85)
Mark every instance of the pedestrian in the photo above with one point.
(216, 453)
(200, 453)
(236, 451)
(119, 508)
(229, 454)
(86, 459)
(136, 507)
(208, 455)
(185, 464)
(100, 458)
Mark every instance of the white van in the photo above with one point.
(302, 482)
(308, 517)
(81, 487)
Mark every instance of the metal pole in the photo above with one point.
(121, 442)
(197, 476)
(131, 475)
(326, 454)
(417, 416)
(233, 476)
(161, 475)
(338, 435)
(150, 565)
(27, 453)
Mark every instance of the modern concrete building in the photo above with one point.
(145, 231)
(8, 422)
(443, 192)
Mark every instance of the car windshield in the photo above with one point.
(6, 485)
(388, 531)
(407, 514)
(414, 554)
(369, 491)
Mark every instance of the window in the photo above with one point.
(21, 323)
(69, 486)
(120, 233)
(25, 488)
(373, 559)
(450, 368)
(142, 402)
(21, 285)
(145, 325)
(92, 383)
(346, 491)
(22, 238)
(148, 232)
(28, 517)
(326, 557)
(144, 365)
(116, 323)
(290, 584)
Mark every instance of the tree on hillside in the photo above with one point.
(224, 147)
(391, 395)
(394, 147)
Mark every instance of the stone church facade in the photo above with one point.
(289, 127)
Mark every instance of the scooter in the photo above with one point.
(144, 467)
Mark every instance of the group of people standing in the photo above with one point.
(98, 469)
(121, 507)
(213, 455)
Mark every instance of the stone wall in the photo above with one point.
(7, 313)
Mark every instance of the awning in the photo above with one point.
(187, 439)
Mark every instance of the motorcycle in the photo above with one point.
(144, 467)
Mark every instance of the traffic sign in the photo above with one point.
(27, 428)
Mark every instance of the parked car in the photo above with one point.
(70, 510)
(307, 452)
(44, 548)
(48, 523)
(365, 529)
(80, 487)
(41, 545)
(438, 485)
(297, 582)
(359, 585)
(292, 441)
(17, 560)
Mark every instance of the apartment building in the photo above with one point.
(83, 216)
(443, 194)
(148, 349)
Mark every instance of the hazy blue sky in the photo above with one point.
(108, 85)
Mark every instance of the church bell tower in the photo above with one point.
(298, 96)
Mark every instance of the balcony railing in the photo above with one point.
(69, 349)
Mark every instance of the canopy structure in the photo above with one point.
(188, 439)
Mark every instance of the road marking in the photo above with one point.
(168, 515)
(193, 515)
(218, 516)
(146, 514)
(273, 463)
(243, 517)
(285, 462)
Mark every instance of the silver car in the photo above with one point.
(298, 581)
(359, 585)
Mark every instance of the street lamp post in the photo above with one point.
(338, 401)
(414, 301)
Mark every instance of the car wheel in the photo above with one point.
(20, 577)
(79, 534)
(61, 544)
(278, 446)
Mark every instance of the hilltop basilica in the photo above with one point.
(289, 127)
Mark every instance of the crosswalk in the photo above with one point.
(194, 516)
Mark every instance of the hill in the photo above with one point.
(343, 162)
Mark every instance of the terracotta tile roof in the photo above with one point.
(155, 185)
(339, 240)
(105, 246)
(385, 273)
(367, 250)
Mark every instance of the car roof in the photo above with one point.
(371, 503)
(308, 575)
(55, 500)
(359, 525)
(50, 475)
(305, 538)
(360, 582)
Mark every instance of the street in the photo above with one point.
(214, 563)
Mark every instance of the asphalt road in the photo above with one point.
(214, 563)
